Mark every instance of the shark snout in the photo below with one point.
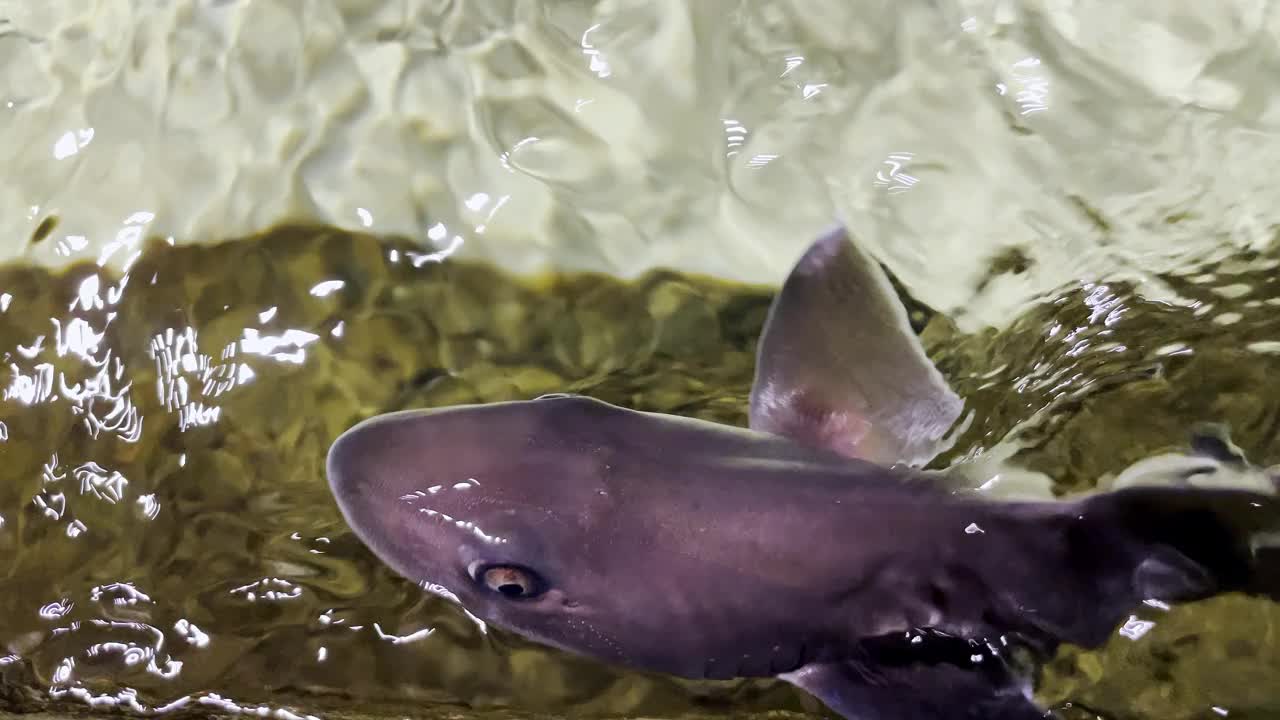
(353, 456)
(396, 452)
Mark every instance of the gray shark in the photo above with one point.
(811, 546)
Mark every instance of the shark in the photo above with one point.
(813, 546)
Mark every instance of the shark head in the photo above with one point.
(584, 526)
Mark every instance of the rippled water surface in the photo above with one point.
(1084, 192)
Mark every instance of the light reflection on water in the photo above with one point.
(625, 135)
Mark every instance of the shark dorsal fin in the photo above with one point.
(839, 367)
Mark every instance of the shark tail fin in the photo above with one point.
(1193, 542)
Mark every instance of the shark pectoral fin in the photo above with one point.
(839, 367)
(916, 692)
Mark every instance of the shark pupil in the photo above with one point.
(512, 582)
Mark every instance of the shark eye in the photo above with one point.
(511, 581)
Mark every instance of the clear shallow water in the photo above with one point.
(169, 543)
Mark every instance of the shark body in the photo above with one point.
(809, 546)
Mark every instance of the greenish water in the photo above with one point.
(169, 543)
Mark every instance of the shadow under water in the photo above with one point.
(169, 544)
